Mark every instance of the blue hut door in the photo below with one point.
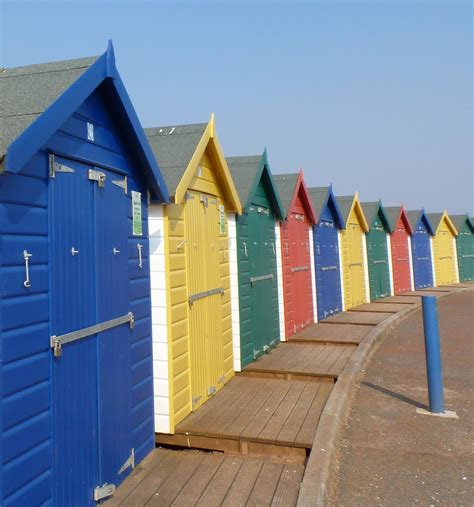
(91, 391)
(421, 253)
(328, 277)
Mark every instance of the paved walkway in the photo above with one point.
(392, 456)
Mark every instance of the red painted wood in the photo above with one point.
(401, 256)
(297, 290)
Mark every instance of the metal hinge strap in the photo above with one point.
(205, 294)
(98, 176)
(299, 268)
(381, 261)
(129, 463)
(58, 341)
(328, 268)
(254, 279)
(56, 167)
(121, 184)
(104, 491)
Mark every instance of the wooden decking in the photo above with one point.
(182, 478)
(302, 361)
(256, 416)
(336, 334)
(357, 318)
(377, 307)
(403, 300)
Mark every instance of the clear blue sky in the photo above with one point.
(373, 96)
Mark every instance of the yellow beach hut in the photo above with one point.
(353, 252)
(444, 256)
(190, 279)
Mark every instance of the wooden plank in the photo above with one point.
(404, 300)
(286, 493)
(144, 468)
(282, 452)
(244, 481)
(359, 318)
(283, 415)
(308, 428)
(171, 487)
(216, 490)
(341, 362)
(199, 481)
(265, 486)
(377, 307)
(148, 486)
(335, 334)
(226, 444)
(433, 292)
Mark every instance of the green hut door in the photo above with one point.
(377, 256)
(261, 239)
(465, 248)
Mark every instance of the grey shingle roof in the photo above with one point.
(413, 216)
(392, 213)
(460, 220)
(370, 210)
(285, 184)
(26, 92)
(174, 147)
(318, 196)
(244, 171)
(435, 219)
(345, 203)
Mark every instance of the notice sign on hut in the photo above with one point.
(137, 213)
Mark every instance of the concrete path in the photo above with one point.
(389, 454)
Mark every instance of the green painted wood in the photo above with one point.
(465, 250)
(377, 257)
(256, 257)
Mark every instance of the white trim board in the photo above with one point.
(234, 290)
(313, 275)
(281, 305)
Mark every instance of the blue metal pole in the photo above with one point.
(433, 355)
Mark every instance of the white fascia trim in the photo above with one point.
(234, 290)
(390, 265)
(366, 268)
(281, 304)
(313, 275)
(433, 262)
(410, 260)
(455, 257)
(339, 242)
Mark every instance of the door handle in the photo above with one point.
(26, 257)
(74, 251)
(116, 251)
(140, 260)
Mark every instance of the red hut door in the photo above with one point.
(400, 259)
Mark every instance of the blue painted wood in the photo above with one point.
(326, 258)
(421, 254)
(61, 299)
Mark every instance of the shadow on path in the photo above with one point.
(393, 394)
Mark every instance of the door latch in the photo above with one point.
(116, 251)
(104, 491)
(140, 260)
(74, 251)
(26, 257)
(56, 346)
(97, 176)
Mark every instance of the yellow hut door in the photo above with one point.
(204, 289)
(356, 268)
(446, 256)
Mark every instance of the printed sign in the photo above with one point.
(137, 213)
(222, 218)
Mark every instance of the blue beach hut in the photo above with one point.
(421, 248)
(76, 174)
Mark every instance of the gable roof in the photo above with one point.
(460, 220)
(179, 150)
(321, 197)
(349, 202)
(247, 172)
(394, 213)
(416, 215)
(37, 99)
(372, 210)
(289, 186)
(437, 218)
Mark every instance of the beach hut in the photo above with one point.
(354, 251)
(421, 249)
(76, 354)
(327, 261)
(295, 237)
(190, 277)
(465, 246)
(444, 249)
(378, 250)
(254, 277)
(400, 245)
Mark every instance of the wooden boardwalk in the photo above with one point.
(298, 361)
(401, 300)
(183, 478)
(337, 334)
(377, 307)
(256, 416)
(357, 318)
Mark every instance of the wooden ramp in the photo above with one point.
(183, 478)
(260, 416)
(337, 334)
(302, 361)
(357, 318)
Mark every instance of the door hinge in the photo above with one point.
(121, 184)
(221, 379)
(56, 167)
(98, 176)
(211, 390)
(205, 200)
(189, 196)
(129, 463)
(195, 401)
(101, 492)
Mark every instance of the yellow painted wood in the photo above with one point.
(444, 252)
(352, 254)
(199, 336)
